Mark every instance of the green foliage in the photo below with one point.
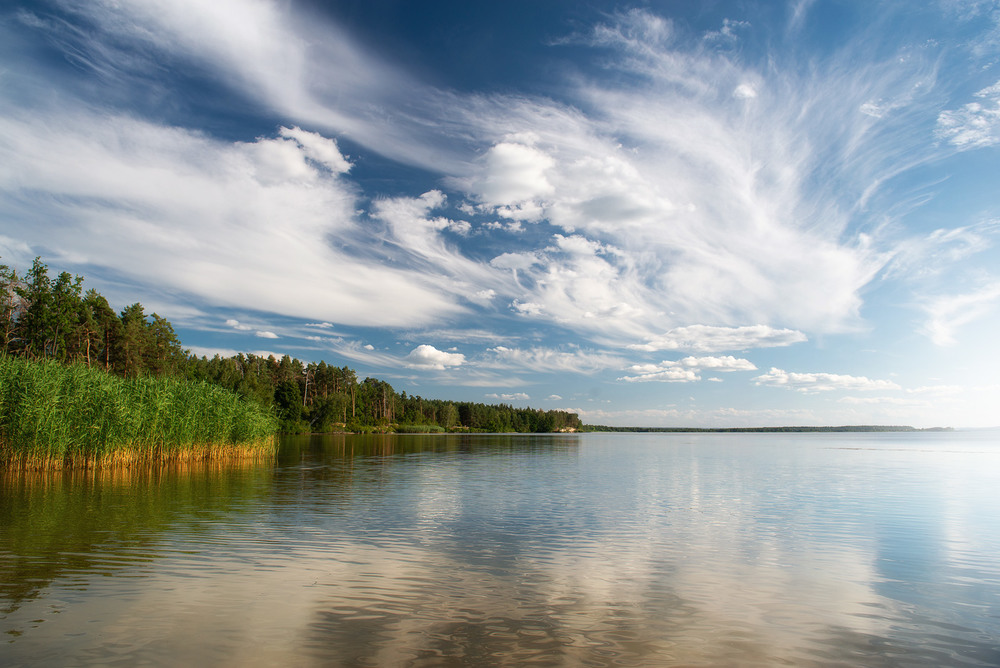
(45, 319)
(48, 320)
(52, 414)
(419, 429)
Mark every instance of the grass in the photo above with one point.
(53, 416)
(419, 429)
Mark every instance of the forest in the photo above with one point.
(54, 319)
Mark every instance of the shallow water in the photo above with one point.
(597, 549)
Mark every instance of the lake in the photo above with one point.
(488, 550)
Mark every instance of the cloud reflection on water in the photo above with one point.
(677, 550)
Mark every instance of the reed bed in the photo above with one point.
(53, 416)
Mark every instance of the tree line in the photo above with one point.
(44, 318)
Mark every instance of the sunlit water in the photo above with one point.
(599, 549)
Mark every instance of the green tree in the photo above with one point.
(162, 354)
(127, 355)
(10, 304)
(65, 328)
(288, 403)
(33, 325)
(107, 328)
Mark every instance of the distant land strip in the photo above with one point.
(844, 428)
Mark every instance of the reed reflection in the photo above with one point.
(75, 523)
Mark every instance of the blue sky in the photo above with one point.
(655, 213)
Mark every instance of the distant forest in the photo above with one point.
(767, 430)
(42, 318)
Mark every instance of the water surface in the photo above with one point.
(597, 549)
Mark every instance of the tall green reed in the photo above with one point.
(53, 415)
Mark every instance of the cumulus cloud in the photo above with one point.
(241, 327)
(710, 339)
(686, 369)
(513, 172)
(428, 357)
(515, 396)
(321, 150)
(821, 382)
(726, 363)
(484, 296)
(513, 227)
(526, 308)
(976, 124)
(660, 373)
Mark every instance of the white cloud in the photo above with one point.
(821, 382)
(484, 296)
(549, 359)
(526, 308)
(513, 227)
(948, 313)
(428, 357)
(516, 396)
(513, 172)
(238, 224)
(975, 125)
(726, 363)
(515, 261)
(239, 326)
(686, 369)
(670, 374)
(484, 336)
(930, 256)
(710, 339)
(209, 352)
(554, 397)
(293, 62)
(726, 35)
(362, 353)
(319, 149)
(728, 213)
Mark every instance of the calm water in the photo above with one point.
(620, 549)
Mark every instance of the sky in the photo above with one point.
(660, 213)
